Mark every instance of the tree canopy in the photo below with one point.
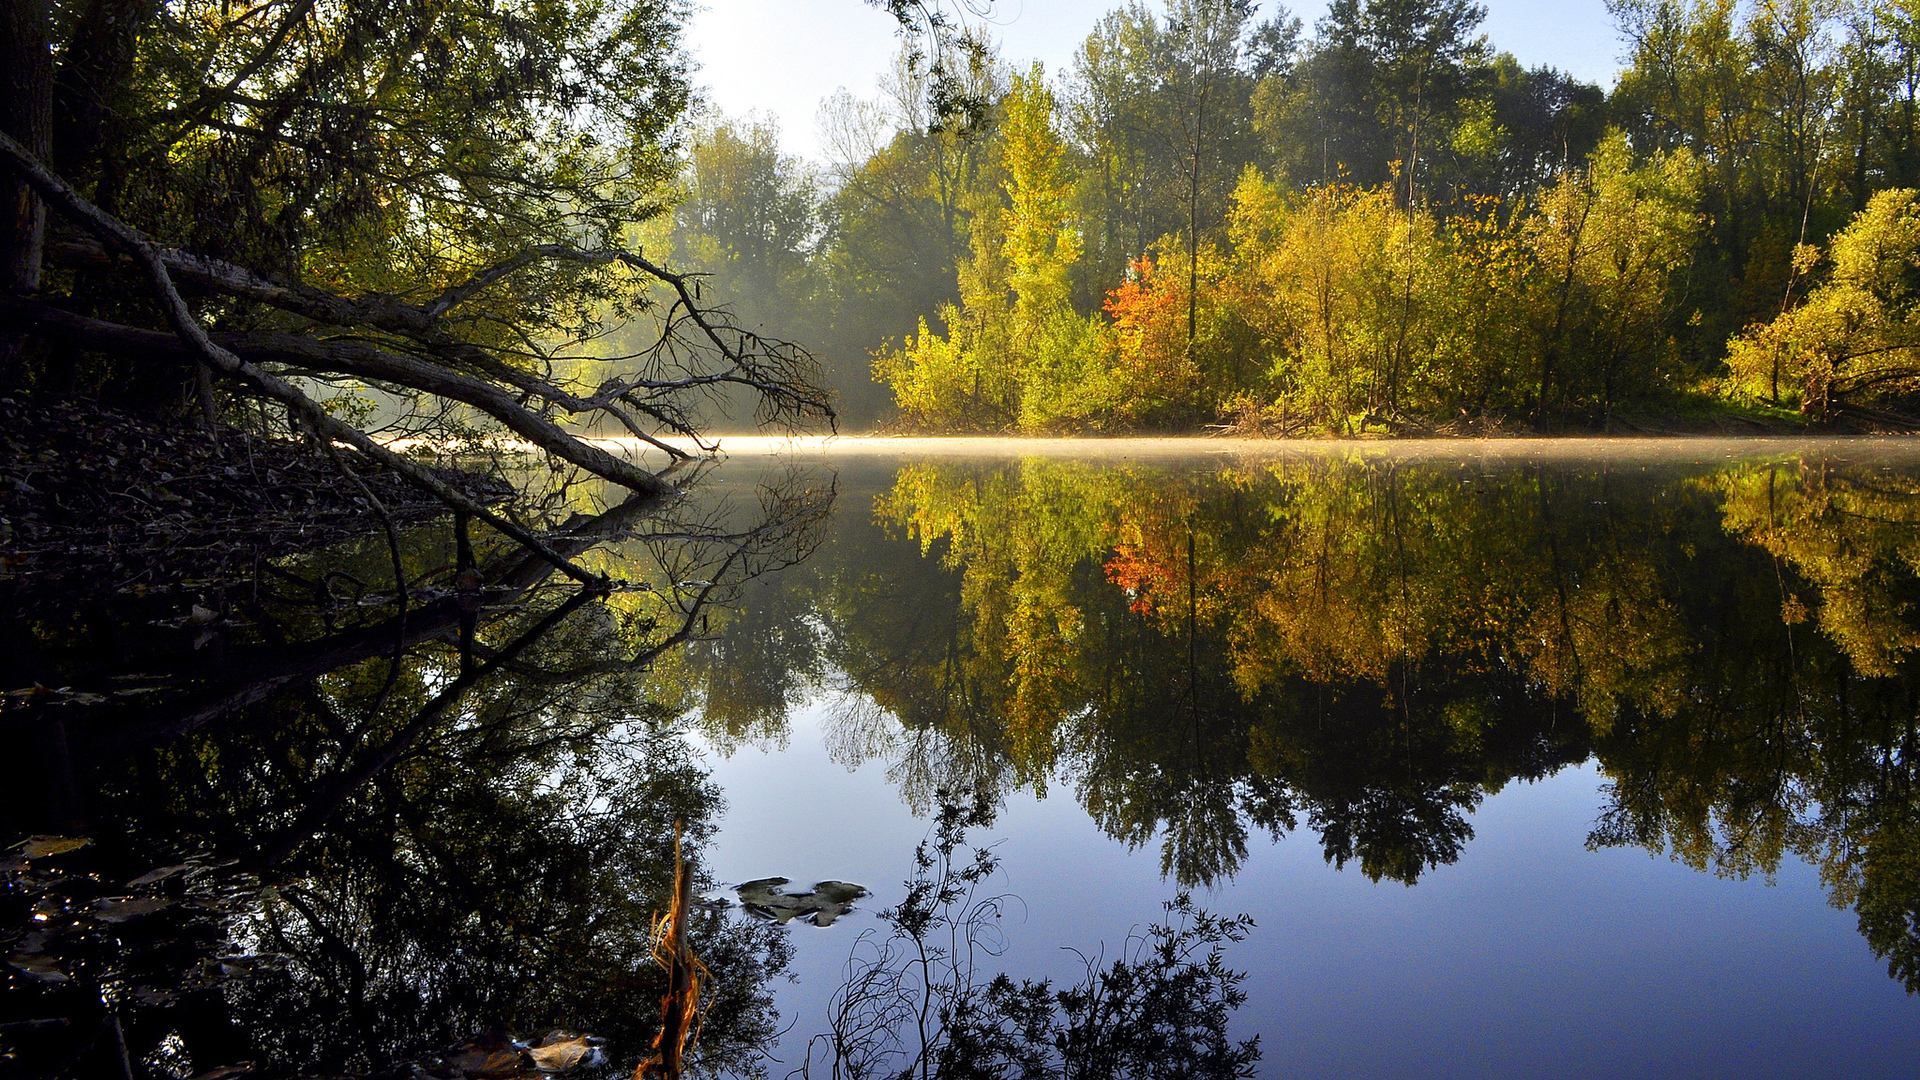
(1507, 245)
(438, 204)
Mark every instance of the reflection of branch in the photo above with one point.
(679, 1008)
(334, 794)
(1161, 1008)
(259, 673)
(790, 521)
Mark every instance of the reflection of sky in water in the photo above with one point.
(1530, 957)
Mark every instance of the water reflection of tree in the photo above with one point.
(459, 829)
(1374, 648)
(1195, 705)
(1802, 740)
(913, 696)
(916, 1001)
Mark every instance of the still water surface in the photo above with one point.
(1570, 759)
(1536, 762)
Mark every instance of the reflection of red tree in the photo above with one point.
(1149, 564)
(1149, 561)
(1138, 575)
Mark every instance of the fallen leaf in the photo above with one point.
(37, 966)
(121, 909)
(162, 874)
(39, 847)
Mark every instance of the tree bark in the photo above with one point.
(26, 114)
(356, 358)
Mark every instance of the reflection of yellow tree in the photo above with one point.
(1376, 645)
(1334, 571)
(1356, 569)
(1328, 570)
(1855, 542)
(1016, 539)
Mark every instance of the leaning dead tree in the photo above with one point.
(205, 204)
(389, 342)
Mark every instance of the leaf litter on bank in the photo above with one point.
(96, 501)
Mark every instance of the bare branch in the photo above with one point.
(780, 372)
(57, 194)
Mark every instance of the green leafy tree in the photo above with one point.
(1015, 353)
(1855, 337)
(1609, 246)
(1159, 107)
(432, 200)
(748, 223)
(896, 227)
(1762, 96)
(748, 216)
(1529, 126)
(1378, 93)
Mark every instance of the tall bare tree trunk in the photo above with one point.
(26, 113)
(1193, 223)
(95, 58)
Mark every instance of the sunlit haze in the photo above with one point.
(779, 58)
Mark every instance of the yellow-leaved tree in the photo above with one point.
(1063, 359)
(1857, 336)
(1015, 354)
(1342, 281)
(1606, 245)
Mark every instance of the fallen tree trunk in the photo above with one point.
(343, 358)
(386, 341)
(778, 371)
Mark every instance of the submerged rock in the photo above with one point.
(827, 901)
(495, 1055)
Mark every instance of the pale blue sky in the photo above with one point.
(781, 57)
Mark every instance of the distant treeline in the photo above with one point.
(1213, 217)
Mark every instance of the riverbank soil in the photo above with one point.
(95, 502)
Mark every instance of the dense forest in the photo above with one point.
(1379, 221)
(484, 217)
(365, 222)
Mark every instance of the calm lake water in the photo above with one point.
(1568, 759)
(1526, 760)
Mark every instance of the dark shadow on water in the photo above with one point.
(332, 834)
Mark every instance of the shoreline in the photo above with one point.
(1643, 447)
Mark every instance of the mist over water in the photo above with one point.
(1596, 449)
